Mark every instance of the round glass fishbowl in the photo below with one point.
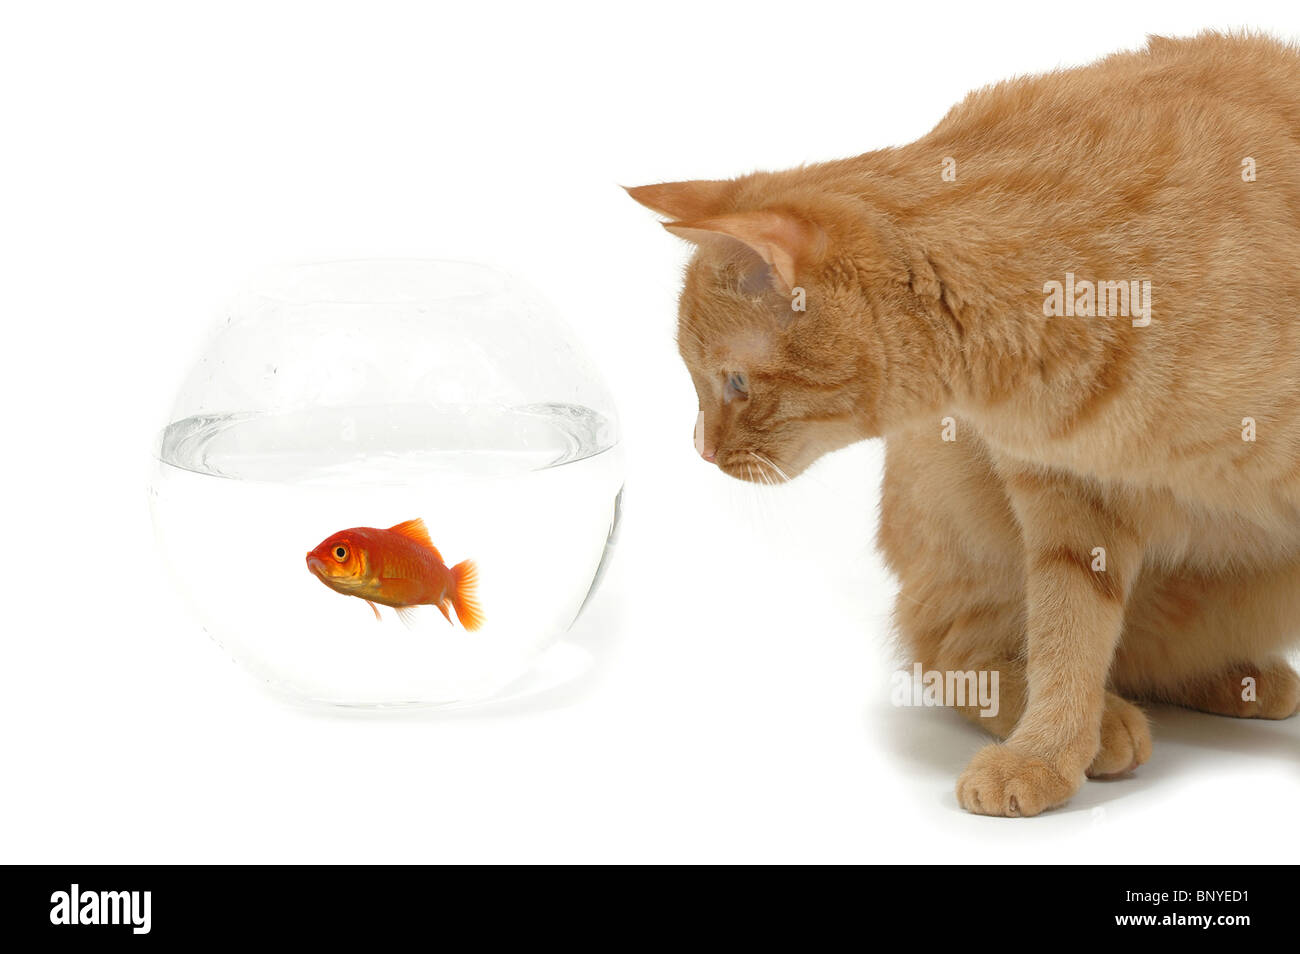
(389, 483)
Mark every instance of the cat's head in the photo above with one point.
(775, 323)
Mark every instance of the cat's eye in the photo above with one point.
(737, 385)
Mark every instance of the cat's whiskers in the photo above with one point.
(766, 510)
(768, 462)
(753, 504)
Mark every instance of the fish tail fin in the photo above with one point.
(464, 595)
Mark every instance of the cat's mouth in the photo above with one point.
(754, 467)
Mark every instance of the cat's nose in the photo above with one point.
(707, 451)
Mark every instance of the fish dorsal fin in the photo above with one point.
(415, 530)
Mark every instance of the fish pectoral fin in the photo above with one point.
(443, 607)
(375, 610)
(407, 615)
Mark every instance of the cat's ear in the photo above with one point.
(785, 242)
(694, 199)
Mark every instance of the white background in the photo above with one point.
(736, 706)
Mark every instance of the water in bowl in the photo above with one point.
(530, 494)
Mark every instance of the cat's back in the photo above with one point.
(1220, 79)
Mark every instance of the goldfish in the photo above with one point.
(398, 567)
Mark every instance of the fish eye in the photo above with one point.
(340, 553)
(737, 385)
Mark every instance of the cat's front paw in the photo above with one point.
(1004, 781)
(1125, 739)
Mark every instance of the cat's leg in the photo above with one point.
(949, 533)
(1270, 690)
(1083, 554)
(1213, 642)
(1125, 735)
(971, 635)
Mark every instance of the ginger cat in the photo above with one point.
(1118, 516)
